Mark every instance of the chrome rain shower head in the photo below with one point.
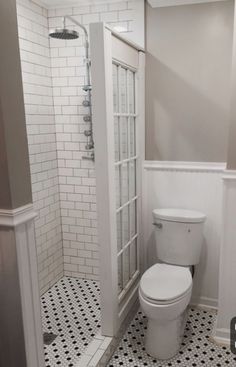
(63, 34)
(66, 34)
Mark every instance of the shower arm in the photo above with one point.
(78, 24)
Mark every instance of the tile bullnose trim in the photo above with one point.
(15, 217)
(217, 167)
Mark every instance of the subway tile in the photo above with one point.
(64, 185)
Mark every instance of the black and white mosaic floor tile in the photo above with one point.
(196, 350)
(71, 310)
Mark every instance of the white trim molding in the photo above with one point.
(30, 299)
(229, 175)
(227, 297)
(205, 302)
(185, 166)
(221, 336)
(15, 217)
(165, 3)
(21, 221)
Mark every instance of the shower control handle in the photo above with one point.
(158, 225)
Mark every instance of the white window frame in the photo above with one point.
(114, 308)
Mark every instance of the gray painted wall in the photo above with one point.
(5, 192)
(15, 185)
(14, 152)
(188, 70)
(231, 161)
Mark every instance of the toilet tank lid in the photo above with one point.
(179, 215)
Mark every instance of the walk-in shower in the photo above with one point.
(68, 34)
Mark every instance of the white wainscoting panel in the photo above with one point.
(227, 276)
(21, 222)
(191, 186)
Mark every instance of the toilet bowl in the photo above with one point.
(165, 289)
(164, 294)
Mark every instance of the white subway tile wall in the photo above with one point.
(40, 121)
(64, 185)
(77, 176)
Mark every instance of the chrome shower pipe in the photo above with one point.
(90, 144)
(86, 42)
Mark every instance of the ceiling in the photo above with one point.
(153, 3)
(67, 3)
(162, 3)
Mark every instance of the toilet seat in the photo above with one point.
(165, 284)
(163, 303)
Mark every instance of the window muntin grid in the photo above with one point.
(126, 157)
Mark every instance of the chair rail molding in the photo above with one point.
(185, 166)
(21, 221)
(229, 175)
(15, 217)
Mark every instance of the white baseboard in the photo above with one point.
(205, 302)
(221, 336)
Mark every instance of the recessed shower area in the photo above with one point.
(82, 86)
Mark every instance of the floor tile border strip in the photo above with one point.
(108, 345)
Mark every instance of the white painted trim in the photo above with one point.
(127, 306)
(166, 3)
(124, 39)
(229, 175)
(20, 220)
(185, 166)
(101, 69)
(141, 144)
(226, 296)
(102, 55)
(15, 217)
(28, 276)
(205, 302)
(221, 336)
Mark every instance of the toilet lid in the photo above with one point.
(165, 282)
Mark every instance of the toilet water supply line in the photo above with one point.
(87, 88)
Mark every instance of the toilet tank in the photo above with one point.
(178, 235)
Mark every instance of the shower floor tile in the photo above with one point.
(71, 310)
(197, 349)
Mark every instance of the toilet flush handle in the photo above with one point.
(158, 225)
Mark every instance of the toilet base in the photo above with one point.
(163, 340)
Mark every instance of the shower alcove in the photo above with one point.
(73, 285)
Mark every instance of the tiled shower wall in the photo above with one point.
(77, 176)
(63, 184)
(40, 121)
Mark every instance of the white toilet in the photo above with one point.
(165, 288)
